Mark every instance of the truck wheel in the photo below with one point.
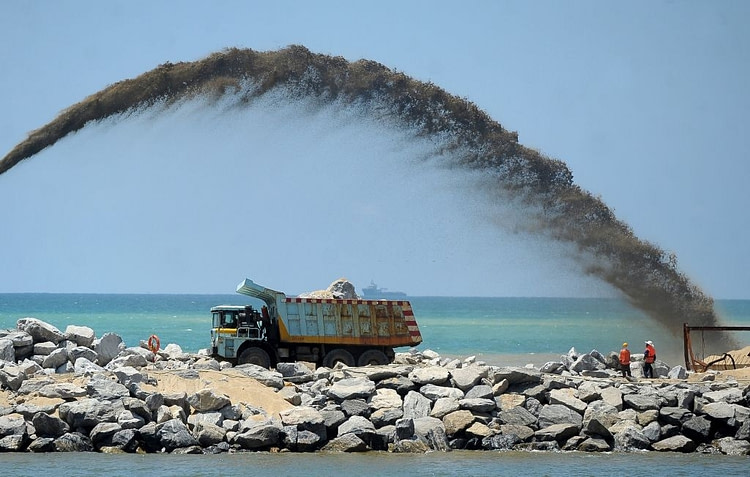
(335, 356)
(372, 356)
(254, 355)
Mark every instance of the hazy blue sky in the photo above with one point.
(646, 102)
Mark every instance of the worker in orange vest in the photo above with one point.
(649, 356)
(625, 360)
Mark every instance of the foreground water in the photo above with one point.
(465, 463)
(497, 330)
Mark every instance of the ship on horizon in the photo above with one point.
(372, 291)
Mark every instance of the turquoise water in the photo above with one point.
(496, 330)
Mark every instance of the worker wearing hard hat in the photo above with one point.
(625, 360)
(649, 356)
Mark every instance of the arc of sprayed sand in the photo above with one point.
(645, 275)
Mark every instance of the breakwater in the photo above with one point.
(69, 391)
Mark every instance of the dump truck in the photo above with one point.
(324, 331)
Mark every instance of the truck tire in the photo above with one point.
(336, 356)
(255, 355)
(372, 356)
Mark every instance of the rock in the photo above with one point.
(86, 367)
(416, 405)
(697, 428)
(517, 416)
(523, 433)
(678, 372)
(558, 414)
(515, 375)
(56, 358)
(12, 377)
(594, 444)
(80, 335)
(262, 436)
(345, 443)
(630, 438)
(39, 330)
(731, 446)
(264, 376)
(434, 392)
(108, 347)
(101, 435)
(557, 432)
(466, 378)
(567, 397)
(7, 350)
(675, 444)
(13, 424)
(429, 375)
(352, 388)
(65, 391)
(296, 369)
(99, 386)
(478, 405)
(73, 442)
(457, 421)
(730, 395)
(207, 400)
(208, 434)
(173, 434)
(674, 415)
(355, 407)
(641, 402)
(49, 426)
(356, 425)
(586, 362)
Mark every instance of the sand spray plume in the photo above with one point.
(553, 205)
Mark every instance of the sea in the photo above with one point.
(499, 331)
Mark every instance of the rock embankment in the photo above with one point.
(72, 392)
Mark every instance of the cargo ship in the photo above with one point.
(373, 292)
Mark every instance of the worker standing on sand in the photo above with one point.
(625, 360)
(649, 356)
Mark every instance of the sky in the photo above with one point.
(645, 101)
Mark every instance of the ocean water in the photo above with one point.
(496, 330)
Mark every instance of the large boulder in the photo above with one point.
(39, 330)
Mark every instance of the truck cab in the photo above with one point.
(233, 325)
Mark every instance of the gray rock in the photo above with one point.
(466, 378)
(676, 443)
(73, 442)
(697, 428)
(586, 362)
(515, 375)
(13, 443)
(173, 434)
(56, 358)
(12, 424)
(479, 405)
(674, 415)
(558, 414)
(129, 420)
(49, 426)
(434, 392)
(345, 443)
(87, 413)
(557, 432)
(416, 405)
(443, 406)
(631, 438)
(731, 446)
(385, 398)
(457, 421)
(65, 391)
(718, 411)
(355, 407)
(652, 431)
(12, 377)
(80, 335)
(567, 397)
(7, 350)
(81, 352)
(85, 367)
(208, 434)
(678, 372)
(207, 400)
(99, 386)
(429, 375)
(350, 388)
(356, 425)
(641, 402)
(594, 444)
(481, 391)
(42, 445)
(730, 395)
(524, 433)
(404, 429)
(518, 416)
(39, 330)
(386, 416)
(101, 435)
(108, 347)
